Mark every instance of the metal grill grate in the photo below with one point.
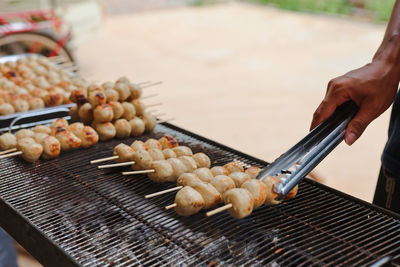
(80, 215)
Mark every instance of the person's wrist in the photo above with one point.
(388, 54)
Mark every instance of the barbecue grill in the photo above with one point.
(66, 212)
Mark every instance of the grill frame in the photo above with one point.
(48, 252)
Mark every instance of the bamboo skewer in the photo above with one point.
(145, 82)
(137, 172)
(171, 206)
(11, 154)
(153, 105)
(116, 165)
(104, 159)
(160, 114)
(166, 120)
(218, 210)
(8, 151)
(148, 96)
(151, 84)
(163, 192)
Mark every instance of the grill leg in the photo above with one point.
(387, 192)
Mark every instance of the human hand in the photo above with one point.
(372, 87)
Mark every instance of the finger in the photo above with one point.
(358, 124)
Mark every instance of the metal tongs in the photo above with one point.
(304, 156)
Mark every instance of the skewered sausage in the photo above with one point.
(219, 170)
(103, 113)
(122, 128)
(42, 129)
(153, 143)
(8, 141)
(178, 168)
(239, 178)
(139, 145)
(162, 170)
(168, 153)
(210, 195)
(129, 111)
(31, 151)
(188, 201)
(137, 126)
(189, 163)
(51, 147)
(182, 151)
(168, 141)
(106, 130)
(242, 202)
(67, 139)
(142, 160)
(86, 113)
(87, 134)
(188, 179)
(117, 108)
(258, 190)
(156, 154)
(204, 174)
(202, 160)
(271, 195)
(24, 133)
(253, 171)
(233, 167)
(222, 183)
(124, 153)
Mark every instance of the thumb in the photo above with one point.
(358, 124)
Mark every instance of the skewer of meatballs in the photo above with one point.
(48, 141)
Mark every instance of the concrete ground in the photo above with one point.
(247, 76)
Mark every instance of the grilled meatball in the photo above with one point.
(137, 126)
(35, 103)
(39, 137)
(51, 147)
(20, 105)
(204, 174)
(123, 128)
(233, 167)
(53, 99)
(258, 190)
(86, 113)
(97, 98)
(111, 94)
(105, 130)
(162, 171)
(188, 201)
(103, 113)
(253, 172)
(178, 168)
(292, 193)
(222, 183)
(182, 151)
(271, 194)
(153, 143)
(73, 112)
(24, 133)
(124, 152)
(135, 91)
(168, 141)
(31, 151)
(142, 160)
(239, 178)
(139, 145)
(67, 139)
(210, 195)
(123, 79)
(123, 91)
(168, 153)
(242, 202)
(156, 154)
(189, 163)
(129, 111)
(219, 170)
(150, 121)
(117, 108)
(188, 179)
(60, 122)
(107, 85)
(202, 160)
(6, 109)
(8, 141)
(42, 129)
(139, 107)
(78, 96)
(87, 134)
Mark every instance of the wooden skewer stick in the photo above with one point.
(145, 82)
(151, 84)
(171, 206)
(11, 155)
(8, 151)
(167, 120)
(137, 172)
(149, 96)
(160, 114)
(153, 105)
(116, 165)
(104, 159)
(163, 192)
(152, 111)
(218, 210)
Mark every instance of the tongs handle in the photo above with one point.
(312, 149)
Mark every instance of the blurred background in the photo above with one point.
(248, 74)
